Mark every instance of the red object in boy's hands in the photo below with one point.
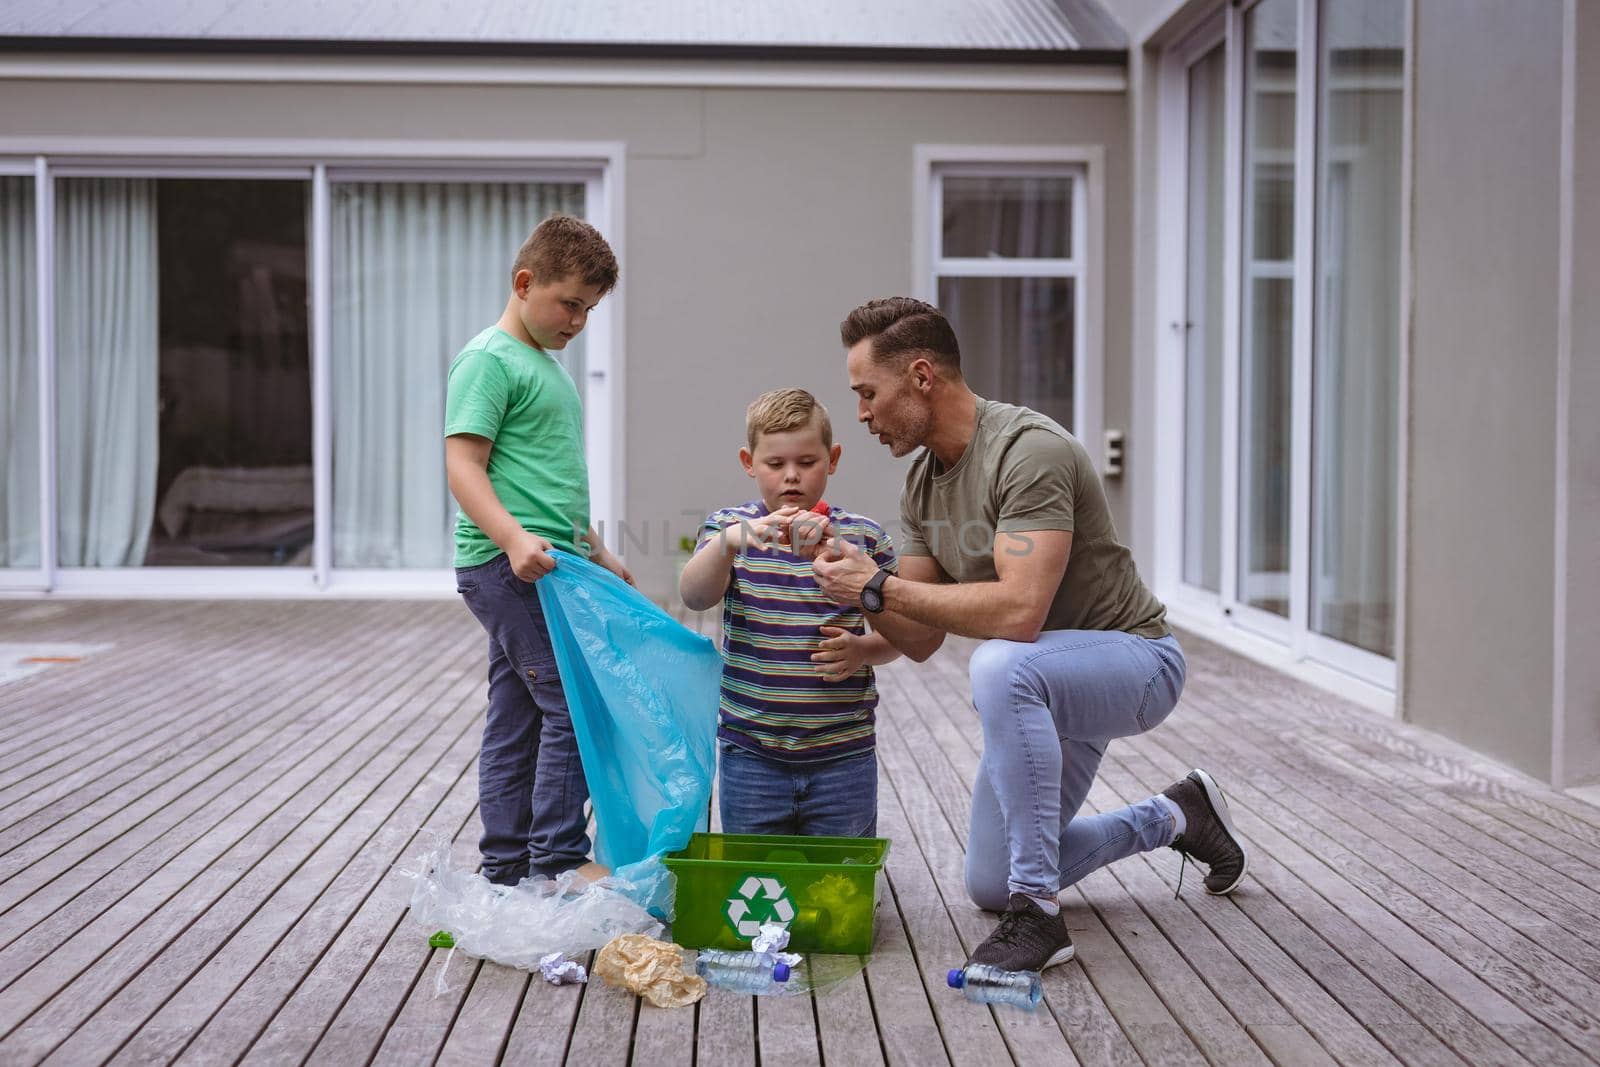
(821, 507)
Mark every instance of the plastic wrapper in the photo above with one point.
(650, 968)
(558, 970)
(772, 937)
(519, 925)
(643, 692)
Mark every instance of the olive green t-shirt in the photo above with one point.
(526, 403)
(1023, 472)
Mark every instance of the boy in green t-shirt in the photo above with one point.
(514, 456)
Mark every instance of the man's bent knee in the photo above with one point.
(992, 668)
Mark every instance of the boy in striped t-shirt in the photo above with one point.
(798, 697)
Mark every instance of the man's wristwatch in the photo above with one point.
(872, 592)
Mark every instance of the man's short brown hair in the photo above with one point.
(562, 246)
(782, 410)
(901, 329)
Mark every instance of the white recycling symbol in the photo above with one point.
(759, 900)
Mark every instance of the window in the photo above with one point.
(1286, 217)
(183, 373)
(239, 380)
(19, 377)
(1008, 270)
(453, 241)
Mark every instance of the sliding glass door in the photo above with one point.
(182, 373)
(1289, 115)
(231, 378)
(419, 268)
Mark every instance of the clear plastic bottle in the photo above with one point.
(743, 972)
(987, 984)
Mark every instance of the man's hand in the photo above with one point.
(613, 563)
(842, 570)
(530, 557)
(842, 654)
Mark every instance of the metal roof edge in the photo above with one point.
(189, 46)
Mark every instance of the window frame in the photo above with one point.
(1366, 676)
(1084, 165)
(599, 165)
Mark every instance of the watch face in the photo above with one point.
(872, 600)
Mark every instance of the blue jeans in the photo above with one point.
(531, 788)
(1048, 710)
(832, 798)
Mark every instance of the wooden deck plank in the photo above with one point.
(602, 1034)
(662, 1037)
(81, 706)
(77, 787)
(1448, 843)
(310, 990)
(74, 755)
(481, 1029)
(542, 1026)
(1409, 902)
(1504, 962)
(120, 822)
(969, 1032)
(1114, 1009)
(1470, 894)
(1028, 1036)
(61, 694)
(1364, 931)
(255, 902)
(103, 917)
(248, 979)
(396, 1000)
(846, 1024)
(908, 1031)
(1330, 996)
(188, 840)
(786, 1030)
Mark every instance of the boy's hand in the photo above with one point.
(765, 532)
(613, 563)
(841, 655)
(530, 557)
(809, 533)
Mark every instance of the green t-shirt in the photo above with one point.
(526, 403)
(1023, 472)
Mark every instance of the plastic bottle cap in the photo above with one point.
(780, 972)
(955, 979)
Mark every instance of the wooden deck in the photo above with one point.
(200, 825)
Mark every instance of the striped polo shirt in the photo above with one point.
(773, 700)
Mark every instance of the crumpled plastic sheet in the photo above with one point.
(650, 968)
(519, 925)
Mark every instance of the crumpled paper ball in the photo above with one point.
(650, 968)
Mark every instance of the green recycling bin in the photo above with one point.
(825, 889)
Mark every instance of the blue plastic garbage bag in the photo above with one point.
(643, 693)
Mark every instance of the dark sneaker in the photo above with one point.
(1208, 834)
(1027, 939)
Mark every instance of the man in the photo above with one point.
(1007, 537)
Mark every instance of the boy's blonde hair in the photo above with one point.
(786, 409)
(561, 246)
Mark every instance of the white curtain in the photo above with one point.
(419, 268)
(107, 369)
(19, 378)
